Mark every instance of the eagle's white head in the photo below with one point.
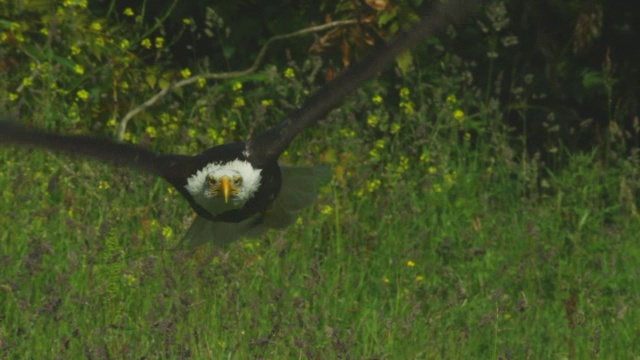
(220, 187)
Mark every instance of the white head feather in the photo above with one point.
(197, 185)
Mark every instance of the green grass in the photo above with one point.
(477, 270)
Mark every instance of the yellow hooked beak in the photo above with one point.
(225, 186)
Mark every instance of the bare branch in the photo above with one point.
(122, 126)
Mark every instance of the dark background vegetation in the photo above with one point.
(565, 73)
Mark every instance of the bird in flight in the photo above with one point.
(239, 189)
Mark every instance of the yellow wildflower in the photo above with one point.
(237, 86)
(185, 73)
(380, 144)
(13, 96)
(458, 115)
(26, 82)
(467, 137)
(202, 82)
(186, 21)
(128, 12)
(395, 127)
(411, 263)
(159, 42)
(146, 43)
(167, 232)
(377, 99)
(82, 94)
(75, 50)
(267, 102)
(96, 26)
(289, 73)
(99, 42)
(151, 131)
(405, 92)
(437, 188)
(419, 278)
(432, 169)
(374, 184)
(44, 31)
(385, 280)
(372, 120)
(407, 107)
(103, 185)
(238, 102)
(451, 99)
(327, 210)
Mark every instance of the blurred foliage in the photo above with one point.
(559, 74)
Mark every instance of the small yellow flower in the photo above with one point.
(13, 96)
(238, 102)
(185, 73)
(458, 115)
(75, 50)
(267, 102)
(172, 190)
(99, 42)
(437, 188)
(82, 94)
(202, 82)
(151, 131)
(43, 31)
(159, 42)
(299, 221)
(350, 133)
(4, 37)
(372, 120)
(186, 21)
(419, 278)
(111, 122)
(375, 155)
(289, 73)
(395, 127)
(79, 69)
(146, 43)
(405, 92)
(373, 185)
(26, 82)
(411, 263)
(407, 107)
(377, 99)
(432, 169)
(385, 280)
(95, 26)
(128, 12)
(103, 185)
(167, 232)
(14, 26)
(326, 210)
(467, 137)
(237, 86)
(130, 279)
(451, 99)
(124, 44)
(124, 85)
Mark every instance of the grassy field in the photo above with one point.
(482, 267)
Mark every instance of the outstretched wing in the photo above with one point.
(174, 168)
(268, 146)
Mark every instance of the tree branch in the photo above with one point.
(122, 125)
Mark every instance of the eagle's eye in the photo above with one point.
(237, 181)
(211, 181)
